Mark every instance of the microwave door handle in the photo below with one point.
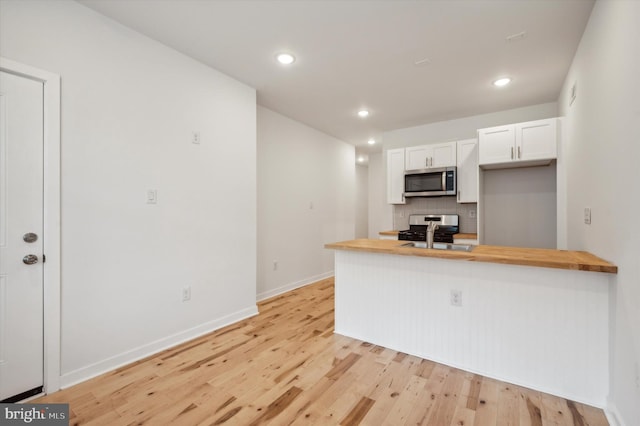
(444, 181)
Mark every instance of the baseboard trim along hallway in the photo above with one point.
(292, 286)
(144, 351)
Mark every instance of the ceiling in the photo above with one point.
(407, 62)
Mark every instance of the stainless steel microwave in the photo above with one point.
(430, 182)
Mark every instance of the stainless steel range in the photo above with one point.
(447, 227)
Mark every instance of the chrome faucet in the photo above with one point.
(431, 229)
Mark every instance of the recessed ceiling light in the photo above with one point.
(371, 141)
(286, 58)
(360, 159)
(501, 82)
(363, 113)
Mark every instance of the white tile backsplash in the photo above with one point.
(435, 205)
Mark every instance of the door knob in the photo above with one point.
(30, 259)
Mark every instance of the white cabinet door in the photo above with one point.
(417, 157)
(536, 140)
(497, 145)
(395, 176)
(443, 154)
(433, 155)
(467, 171)
(518, 145)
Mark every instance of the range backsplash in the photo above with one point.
(435, 205)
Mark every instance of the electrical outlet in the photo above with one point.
(472, 214)
(186, 293)
(195, 137)
(587, 215)
(456, 298)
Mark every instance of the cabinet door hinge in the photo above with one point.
(44, 258)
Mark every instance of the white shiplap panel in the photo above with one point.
(543, 328)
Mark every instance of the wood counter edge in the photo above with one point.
(595, 264)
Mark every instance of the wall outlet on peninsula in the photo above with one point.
(456, 298)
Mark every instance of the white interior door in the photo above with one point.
(21, 220)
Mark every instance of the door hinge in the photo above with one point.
(44, 258)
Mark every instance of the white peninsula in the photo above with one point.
(532, 317)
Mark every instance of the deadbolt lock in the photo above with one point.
(30, 237)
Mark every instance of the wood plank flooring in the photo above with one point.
(286, 367)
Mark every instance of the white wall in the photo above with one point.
(362, 202)
(306, 198)
(380, 213)
(519, 207)
(128, 107)
(602, 154)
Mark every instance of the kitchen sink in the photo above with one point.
(439, 246)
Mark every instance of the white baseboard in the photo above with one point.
(613, 415)
(109, 364)
(291, 286)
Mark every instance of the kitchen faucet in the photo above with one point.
(431, 229)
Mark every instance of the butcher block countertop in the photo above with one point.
(390, 233)
(545, 258)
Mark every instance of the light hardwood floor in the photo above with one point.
(287, 367)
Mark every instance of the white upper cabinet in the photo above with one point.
(427, 156)
(537, 140)
(497, 144)
(467, 171)
(515, 145)
(417, 157)
(395, 176)
(444, 154)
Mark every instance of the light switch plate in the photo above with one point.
(152, 196)
(587, 215)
